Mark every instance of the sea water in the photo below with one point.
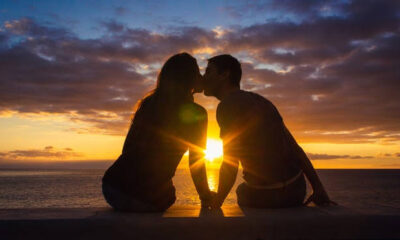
(368, 189)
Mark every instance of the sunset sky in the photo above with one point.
(71, 73)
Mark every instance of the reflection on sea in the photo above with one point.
(186, 193)
(212, 180)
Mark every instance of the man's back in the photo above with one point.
(253, 131)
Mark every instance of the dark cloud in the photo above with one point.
(333, 73)
(49, 152)
(3, 38)
(319, 156)
(113, 26)
(96, 80)
(306, 10)
(330, 75)
(322, 32)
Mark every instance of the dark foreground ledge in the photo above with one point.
(184, 222)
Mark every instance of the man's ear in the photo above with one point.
(226, 75)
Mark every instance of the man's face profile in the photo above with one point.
(212, 80)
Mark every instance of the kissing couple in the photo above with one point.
(168, 122)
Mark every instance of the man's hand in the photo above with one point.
(320, 198)
(216, 202)
(207, 199)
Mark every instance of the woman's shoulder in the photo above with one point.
(198, 108)
(191, 112)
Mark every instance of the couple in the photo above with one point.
(168, 122)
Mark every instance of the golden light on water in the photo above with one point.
(212, 178)
(213, 149)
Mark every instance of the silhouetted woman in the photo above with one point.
(166, 124)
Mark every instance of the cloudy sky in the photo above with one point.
(72, 71)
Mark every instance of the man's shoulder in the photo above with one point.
(234, 98)
(242, 103)
(243, 99)
(233, 105)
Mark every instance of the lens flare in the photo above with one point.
(213, 150)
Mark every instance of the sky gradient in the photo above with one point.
(71, 72)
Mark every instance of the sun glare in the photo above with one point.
(213, 149)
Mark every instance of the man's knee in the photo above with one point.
(241, 195)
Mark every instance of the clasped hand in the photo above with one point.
(211, 201)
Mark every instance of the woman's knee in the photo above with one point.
(167, 204)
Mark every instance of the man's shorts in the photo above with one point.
(291, 195)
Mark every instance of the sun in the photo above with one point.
(213, 149)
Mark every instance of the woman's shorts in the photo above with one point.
(121, 201)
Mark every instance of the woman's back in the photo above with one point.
(157, 139)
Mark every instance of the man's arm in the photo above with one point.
(319, 196)
(227, 177)
(230, 120)
(199, 175)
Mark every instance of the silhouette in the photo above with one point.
(254, 134)
(166, 124)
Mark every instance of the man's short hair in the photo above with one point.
(226, 62)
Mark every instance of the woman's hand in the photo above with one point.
(207, 200)
(320, 198)
(216, 202)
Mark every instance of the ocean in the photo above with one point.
(359, 189)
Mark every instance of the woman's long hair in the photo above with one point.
(158, 111)
(175, 84)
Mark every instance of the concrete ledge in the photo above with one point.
(187, 222)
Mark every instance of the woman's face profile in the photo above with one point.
(211, 80)
(198, 83)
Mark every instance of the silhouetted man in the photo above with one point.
(254, 134)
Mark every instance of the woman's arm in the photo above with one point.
(199, 175)
(196, 159)
(319, 196)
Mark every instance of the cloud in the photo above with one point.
(28, 27)
(48, 152)
(331, 68)
(322, 156)
(329, 76)
(95, 81)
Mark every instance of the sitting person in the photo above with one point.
(166, 124)
(254, 134)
